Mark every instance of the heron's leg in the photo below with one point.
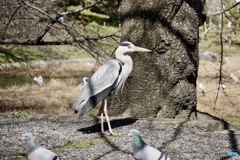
(106, 115)
(102, 127)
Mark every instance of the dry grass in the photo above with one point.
(57, 95)
(57, 69)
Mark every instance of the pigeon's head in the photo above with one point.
(134, 132)
(28, 136)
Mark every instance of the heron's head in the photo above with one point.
(129, 47)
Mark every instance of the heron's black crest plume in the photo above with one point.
(121, 44)
(124, 44)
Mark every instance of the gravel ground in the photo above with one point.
(82, 140)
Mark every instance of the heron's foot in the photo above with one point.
(108, 133)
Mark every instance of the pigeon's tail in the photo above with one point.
(57, 158)
(163, 156)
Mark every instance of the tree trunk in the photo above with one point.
(163, 82)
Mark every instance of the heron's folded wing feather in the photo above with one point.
(103, 78)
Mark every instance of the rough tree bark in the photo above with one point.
(163, 83)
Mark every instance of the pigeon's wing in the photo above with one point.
(41, 153)
(150, 153)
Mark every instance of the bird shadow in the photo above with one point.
(114, 123)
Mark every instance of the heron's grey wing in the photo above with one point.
(98, 87)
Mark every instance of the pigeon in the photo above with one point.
(222, 86)
(81, 85)
(227, 61)
(36, 152)
(142, 151)
(60, 19)
(217, 68)
(235, 78)
(202, 88)
(39, 79)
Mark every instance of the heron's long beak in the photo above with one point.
(140, 49)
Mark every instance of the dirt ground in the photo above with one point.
(224, 103)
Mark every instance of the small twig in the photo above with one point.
(10, 20)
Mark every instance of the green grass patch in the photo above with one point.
(17, 115)
(91, 143)
(233, 119)
(17, 156)
(86, 144)
(64, 147)
(185, 124)
(21, 154)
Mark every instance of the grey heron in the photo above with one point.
(39, 79)
(110, 77)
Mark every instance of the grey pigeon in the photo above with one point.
(60, 19)
(202, 88)
(81, 85)
(36, 152)
(142, 151)
(235, 78)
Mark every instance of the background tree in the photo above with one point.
(28, 23)
(163, 83)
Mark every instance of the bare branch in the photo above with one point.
(34, 23)
(226, 10)
(36, 8)
(10, 20)
(221, 59)
(82, 9)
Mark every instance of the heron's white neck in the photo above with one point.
(125, 59)
(127, 65)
